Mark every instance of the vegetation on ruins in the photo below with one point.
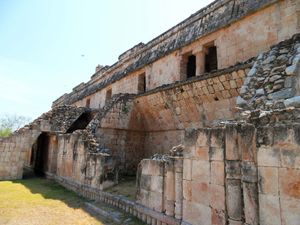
(10, 123)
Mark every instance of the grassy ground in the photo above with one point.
(42, 202)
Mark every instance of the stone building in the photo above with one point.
(206, 116)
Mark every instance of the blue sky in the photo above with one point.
(49, 46)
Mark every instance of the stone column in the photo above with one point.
(247, 144)
(170, 188)
(200, 63)
(234, 200)
(178, 165)
(250, 193)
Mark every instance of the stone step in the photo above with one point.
(112, 213)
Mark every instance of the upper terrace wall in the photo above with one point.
(237, 38)
(169, 111)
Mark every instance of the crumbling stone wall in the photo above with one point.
(16, 151)
(76, 163)
(119, 128)
(273, 80)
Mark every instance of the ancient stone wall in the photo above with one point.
(17, 150)
(167, 112)
(273, 80)
(237, 174)
(76, 163)
(161, 58)
(14, 151)
(278, 160)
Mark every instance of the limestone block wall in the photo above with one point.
(167, 112)
(77, 164)
(119, 128)
(192, 103)
(278, 160)
(126, 146)
(204, 184)
(164, 71)
(162, 141)
(235, 174)
(151, 184)
(15, 153)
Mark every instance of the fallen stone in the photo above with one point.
(285, 93)
(277, 87)
(277, 69)
(248, 80)
(260, 92)
(241, 102)
(177, 150)
(292, 102)
(260, 56)
(279, 81)
(288, 82)
(269, 59)
(283, 51)
(252, 72)
(291, 70)
(275, 77)
(296, 59)
(282, 59)
(244, 90)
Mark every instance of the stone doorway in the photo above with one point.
(43, 157)
(39, 157)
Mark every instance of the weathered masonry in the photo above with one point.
(206, 116)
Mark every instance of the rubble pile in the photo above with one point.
(270, 84)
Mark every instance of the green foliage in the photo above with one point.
(5, 132)
(10, 123)
(125, 109)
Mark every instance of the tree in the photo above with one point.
(10, 123)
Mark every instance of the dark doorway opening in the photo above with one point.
(191, 66)
(211, 59)
(141, 83)
(81, 123)
(41, 154)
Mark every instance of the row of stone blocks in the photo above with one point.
(141, 212)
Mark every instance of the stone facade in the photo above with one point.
(224, 83)
(234, 174)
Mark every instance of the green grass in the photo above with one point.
(42, 202)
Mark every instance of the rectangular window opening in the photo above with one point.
(187, 66)
(191, 66)
(211, 59)
(108, 95)
(141, 83)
